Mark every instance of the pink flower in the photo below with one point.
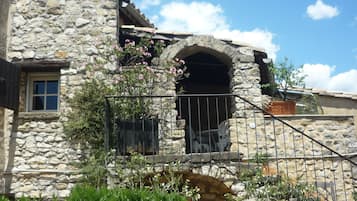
(182, 62)
(147, 54)
(180, 71)
(173, 70)
(117, 48)
(141, 77)
(117, 80)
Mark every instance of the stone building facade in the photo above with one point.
(53, 40)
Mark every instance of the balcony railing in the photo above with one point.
(226, 128)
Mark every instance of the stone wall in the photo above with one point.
(38, 157)
(297, 156)
(291, 154)
(43, 158)
(264, 135)
(335, 105)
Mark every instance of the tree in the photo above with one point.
(286, 76)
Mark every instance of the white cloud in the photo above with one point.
(154, 19)
(256, 38)
(144, 4)
(196, 17)
(320, 76)
(320, 10)
(206, 18)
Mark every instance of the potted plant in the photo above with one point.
(285, 76)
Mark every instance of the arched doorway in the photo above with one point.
(205, 104)
(217, 67)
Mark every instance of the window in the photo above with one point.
(43, 92)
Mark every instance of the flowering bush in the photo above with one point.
(135, 76)
(131, 74)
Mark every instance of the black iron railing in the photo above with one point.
(226, 128)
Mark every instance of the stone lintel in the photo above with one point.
(39, 116)
(42, 65)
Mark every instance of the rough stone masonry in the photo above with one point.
(38, 158)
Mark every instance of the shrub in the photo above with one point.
(2, 198)
(286, 76)
(85, 121)
(88, 193)
(271, 188)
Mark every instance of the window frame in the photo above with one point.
(31, 78)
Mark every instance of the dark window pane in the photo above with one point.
(52, 87)
(51, 103)
(38, 102)
(38, 87)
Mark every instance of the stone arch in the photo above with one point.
(245, 72)
(244, 81)
(196, 44)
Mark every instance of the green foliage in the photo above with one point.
(3, 198)
(94, 169)
(271, 188)
(286, 76)
(131, 173)
(134, 76)
(137, 173)
(171, 180)
(86, 120)
(88, 193)
(261, 158)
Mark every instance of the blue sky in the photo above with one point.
(320, 35)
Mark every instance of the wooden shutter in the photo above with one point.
(9, 85)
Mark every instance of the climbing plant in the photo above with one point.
(125, 70)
